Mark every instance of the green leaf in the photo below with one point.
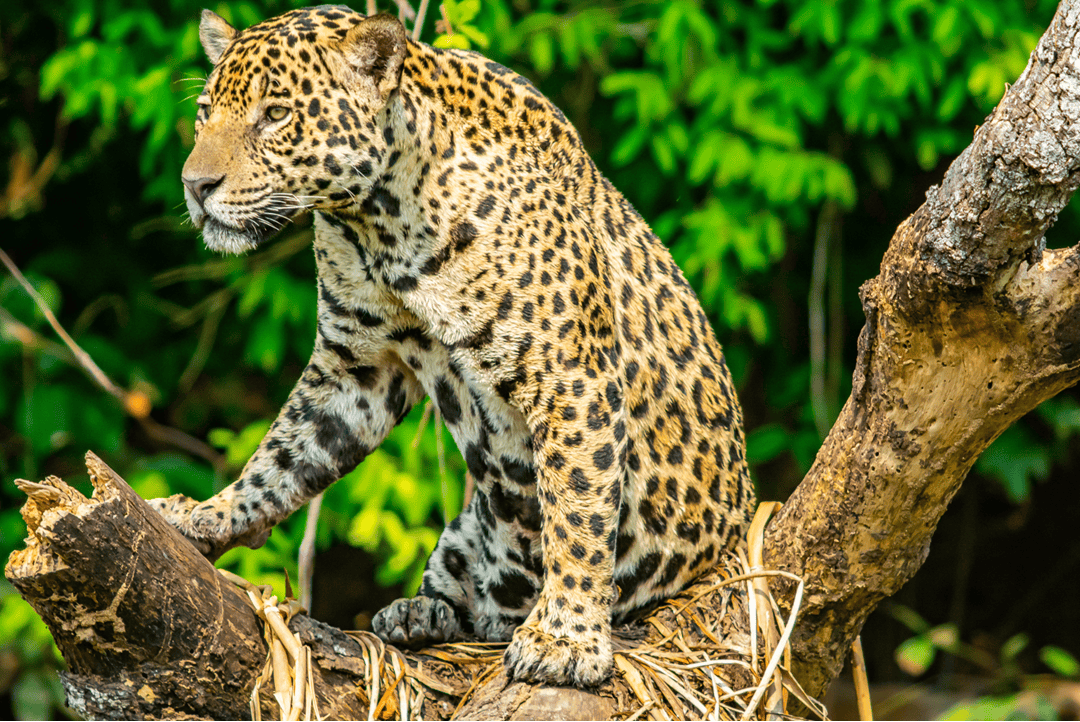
(866, 25)
(475, 35)
(53, 72)
(986, 708)
(926, 154)
(82, 21)
(664, 154)
(266, 344)
(915, 655)
(364, 531)
(984, 21)
(457, 40)
(239, 447)
(830, 23)
(1062, 413)
(253, 294)
(1015, 460)
(542, 52)
(1059, 660)
(1013, 646)
(736, 161)
(839, 183)
(909, 618)
(946, 30)
(629, 146)
(184, 475)
(765, 443)
(952, 100)
(467, 10)
(149, 484)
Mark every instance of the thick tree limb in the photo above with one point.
(148, 627)
(970, 325)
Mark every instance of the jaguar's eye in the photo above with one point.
(277, 112)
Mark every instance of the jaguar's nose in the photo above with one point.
(201, 188)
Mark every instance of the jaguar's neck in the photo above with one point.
(456, 122)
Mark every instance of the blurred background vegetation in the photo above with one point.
(774, 144)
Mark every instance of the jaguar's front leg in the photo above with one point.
(566, 639)
(340, 410)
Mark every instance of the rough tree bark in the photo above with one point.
(144, 625)
(970, 324)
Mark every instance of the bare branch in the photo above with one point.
(405, 10)
(81, 356)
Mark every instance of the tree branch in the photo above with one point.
(135, 403)
(970, 325)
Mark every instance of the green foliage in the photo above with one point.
(731, 126)
(1003, 707)
(1023, 454)
(1019, 695)
(1059, 661)
(461, 32)
(35, 688)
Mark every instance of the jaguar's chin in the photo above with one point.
(229, 239)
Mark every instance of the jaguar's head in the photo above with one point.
(290, 119)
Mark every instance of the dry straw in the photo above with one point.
(696, 660)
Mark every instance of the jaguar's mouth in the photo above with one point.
(231, 238)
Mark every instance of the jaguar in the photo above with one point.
(469, 251)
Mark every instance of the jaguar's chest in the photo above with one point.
(361, 311)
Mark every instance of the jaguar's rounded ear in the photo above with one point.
(374, 50)
(215, 34)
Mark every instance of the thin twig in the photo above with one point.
(181, 440)
(777, 654)
(405, 10)
(422, 425)
(641, 711)
(306, 555)
(135, 403)
(205, 344)
(28, 337)
(81, 356)
(446, 27)
(862, 686)
(418, 26)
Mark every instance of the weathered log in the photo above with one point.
(970, 324)
(151, 630)
(147, 625)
